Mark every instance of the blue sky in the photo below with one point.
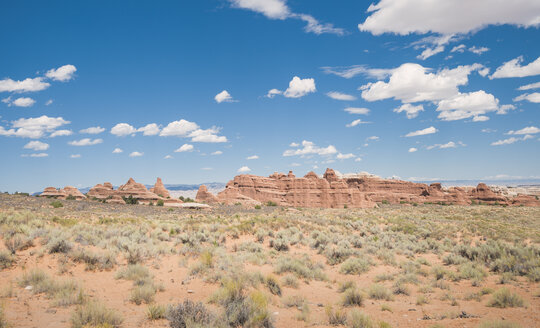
(205, 90)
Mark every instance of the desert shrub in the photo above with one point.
(258, 207)
(38, 279)
(439, 272)
(6, 259)
(64, 293)
(156, 312)
(454, 259)
(59, 245)
(3, 321)
(357, 319)
(294, 301)
(94, 261)
(290, 281)
(386, 307)
(383, 277)
(133, 272)
(338, 254)
(189, 314)
(471, 271)
(504, 298)
(70, 197)
(379, 292)
(94, 314)
(400, 288)
(421, 300)
(271, 203)
(17, 242)
(143, 294)
(355, 266)
(280, 244)
(130, 200)
(336, 317)
(343, 286)
(56, 204)
(303, 268)
(273, 285)
(498, 324)
(352, 297)
(160, 202)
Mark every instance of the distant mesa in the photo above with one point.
(352, 190)
(67, 192)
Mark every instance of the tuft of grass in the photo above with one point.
(189, 314)
(337, 317)
(143, 294)
(133, 272)
(504, 298)
(303, 268)
(290, 281)
(352, 297)
(498, 324)
(379, 292)
(273, 285)
(421, 300)
(386, 307)
(6, 259)
(355, 266)
(343, 286)
(400, 288)
(57, 204)
(156, 312)
(94, 314)
(357, 319)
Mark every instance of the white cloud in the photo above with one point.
(414, 83)
(314, 26)
(85, 142)
(244, 169)
(34, 127)
(358, 159)
(428, 52)
(184, 148)
(38, 155)
(206, 168)
(63, 73)
(179, 128)
(355, 123)
(23, 102)
(217, 152)
(309, 148)
(136, 154)
(447, 145)
(374, 138)
(93, 130)
(117, 151)
(48, 102)
(273, 92)
(340, 96)
(75, 156)
(531, 97)
(478, 50)
(151, 129)
(357, 110)
(447, 17)
(411, 110)
(422, 132)
(208, 135)
(460, 48)
(61, 133)
(167, 157)
(36, 145)
(123, 129)
(511, 140)
(349, 72)
(252, 157)
(26, 85)
(345, 156)
(480, 118)
(412, 150)
(530, 86)
(513, 68)
(299, 87)
(294, 144)
(488, 130)
(526, 130)
(465, 105)
(223, 96)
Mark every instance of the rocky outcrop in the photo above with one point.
(159, 189)
(204, 196)
(68, 191)
(354, 191)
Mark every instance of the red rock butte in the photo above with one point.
(353, 191)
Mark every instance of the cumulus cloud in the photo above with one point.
(26, 85)
(513, 68)
(34, 127)
(38, 155)
(309, 148)
(93, 130)
(357, 110)
(179, 128)
(340, 96)
(355, 123)
(22, 102)
(511, 140)
(217, 152)
(299, 87)
(123, 129)
(85, 142)
(62, 73)
(530, 86)
(184, 148)
(151, 129)
(61, 133)
(136, 154)
(526, 130)
(447, 17)
(75, 156)
(208, 135)
(411, 110)
(117, 151)
(345, 156)
(167, 157)
(223, 96)
(465, 105)
(36, 145)
(278, 9)
(412, 150)
(478, 50)
(252, 157)
(422, 132)
(273, 92)
(447, 145)
(244, 169)
(480, 118)
(531, 97)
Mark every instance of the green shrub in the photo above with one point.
(258, 207)
(94, 314)
(357, 319)
(130, 200)
(302, 268)
(355, 266)
(160, 202)
(271, 203)
(56, 204)
(143, 294)
(155, 312)
(504, 298)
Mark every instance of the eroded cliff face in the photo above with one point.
(331, 191)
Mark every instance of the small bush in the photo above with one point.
(94, 314)
(17, 242)
(155, 312)
(3, 321)
(189, 314)
(273, 285)
(143, 294)
(358, 319)
(6, 259)
(133, 272)
(59, 245)
(271, 203)
(337, 317)
(400, 289)
(498, 324)
(355, 266)
(343, 286)
(421, 300)
(130, 200)
(57, 204)
(504, 298)
(160, 202)
(290, 281)
(258, 207)
(353, 297)
(379, 292)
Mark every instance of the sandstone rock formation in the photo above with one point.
(136, 190)
(204, 196)
(354, 191)
(159, 189)
(63, 193)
